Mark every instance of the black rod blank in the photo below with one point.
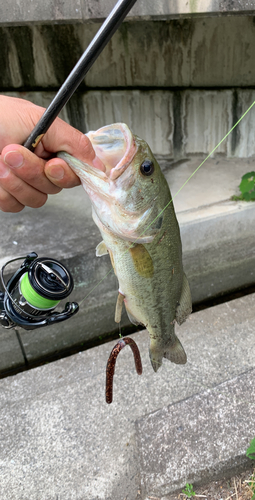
(76, 76)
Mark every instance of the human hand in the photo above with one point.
(27, 178)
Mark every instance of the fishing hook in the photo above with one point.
(112, 361)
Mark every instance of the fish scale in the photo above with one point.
(130, 205)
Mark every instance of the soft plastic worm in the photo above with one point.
(112, 361)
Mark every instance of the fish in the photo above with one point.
(131, 205)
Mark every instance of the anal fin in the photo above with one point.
(156, 357)
(132, 319)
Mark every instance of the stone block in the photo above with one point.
(207, 118)
(199, 439)
(243, 138)
(175, 124)
(149, 114)
(221, 52)
(209, 52)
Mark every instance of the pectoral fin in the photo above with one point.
(142, 261)
(101, 249)
(184, 308)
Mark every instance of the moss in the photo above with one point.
(23, 40)
(64, 48)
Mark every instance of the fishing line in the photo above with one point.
(120, 334)
(167, 205)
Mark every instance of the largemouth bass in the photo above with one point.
(128, 199)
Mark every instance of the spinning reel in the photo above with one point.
(34, 291)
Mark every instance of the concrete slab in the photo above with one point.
(61, 440)
(199, 439)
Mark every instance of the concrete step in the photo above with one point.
(218, 251)
(88, 10)
(61, 440)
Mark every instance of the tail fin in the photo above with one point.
(156, 356)
(173, 351)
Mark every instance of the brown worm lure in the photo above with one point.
(112, 361)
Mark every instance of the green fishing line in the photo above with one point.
(33, 298)
(195, 171)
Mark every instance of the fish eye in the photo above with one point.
(147, 167)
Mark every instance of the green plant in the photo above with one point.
(188, 490)
(250, 453)
(247, 188)
(251, 485)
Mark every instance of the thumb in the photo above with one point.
(64, 137)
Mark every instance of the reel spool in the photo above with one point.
(34, 291)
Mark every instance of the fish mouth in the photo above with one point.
(115, 147)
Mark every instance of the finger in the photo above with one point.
(27, 166)
(20, 190)
(63, 137)
(18, 118)
(59, 173)
(8, 203)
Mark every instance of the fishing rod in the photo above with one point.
(31, 295)
(104, 34)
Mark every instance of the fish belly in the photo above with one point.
(151, 279)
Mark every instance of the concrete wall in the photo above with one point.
(175, 124)
(204, 52)
(180, 84)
